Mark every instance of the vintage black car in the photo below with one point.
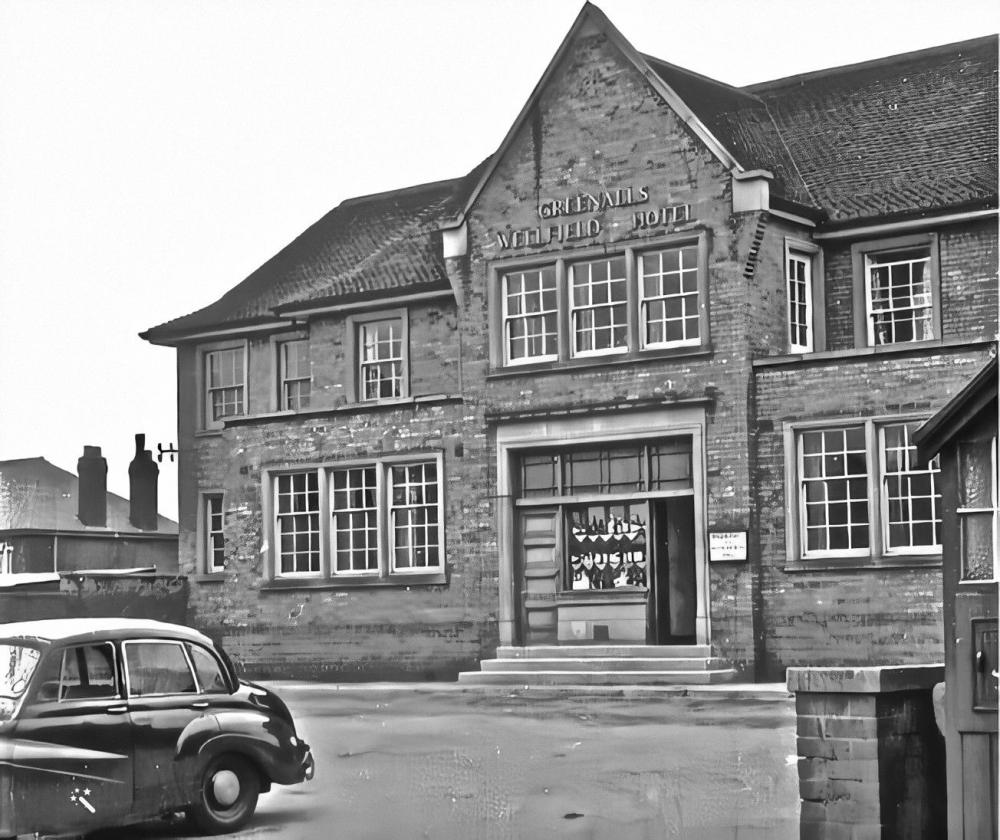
(111, 721)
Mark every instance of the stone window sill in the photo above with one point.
(599, 362)
(918, 347)
(839, 564)
(394, 582)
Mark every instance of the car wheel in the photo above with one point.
(227, 794)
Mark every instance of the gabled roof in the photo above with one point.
(363, 248)
(900, 135)
(897, 137)
(962, 410)
(39, 496)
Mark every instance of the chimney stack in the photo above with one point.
(92, 488)
(142, 476)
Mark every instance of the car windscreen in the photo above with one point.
(17, 664)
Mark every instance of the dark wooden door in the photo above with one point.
(673, 588)
(970, 613)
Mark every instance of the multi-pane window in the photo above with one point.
(663, 464)
(355, 520)
(225, 378)
(899, 296)
(626, 303)
(599, 306)
(834, 475)
(977, 509)
(297, 523)
(413, 514)
(381, 355)
(798, 280)
(215, 543)
(860, 495)
(296, 376)
(912, 501)
(530, 315)
(670, 312)
(379, 520)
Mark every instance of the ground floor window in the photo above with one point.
(858, 494)
(361, 522)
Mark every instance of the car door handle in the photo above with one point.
(200, 704)
(116, 710)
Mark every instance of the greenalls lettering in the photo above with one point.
(590, 203)
(563, 230)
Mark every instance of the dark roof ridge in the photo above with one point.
(868, 64)
(23, 460)
(413, 190)
(701, 76)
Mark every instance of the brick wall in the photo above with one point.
(871, 759)
(860, 615)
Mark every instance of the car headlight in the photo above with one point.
(293, 741)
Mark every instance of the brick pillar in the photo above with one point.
(871, 758)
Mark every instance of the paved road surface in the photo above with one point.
(497, 765)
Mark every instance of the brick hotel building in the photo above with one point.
(648, 375)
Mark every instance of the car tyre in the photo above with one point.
(227, 794)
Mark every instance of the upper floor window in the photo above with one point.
(599, 307)
(296, 376)
(225, 384)
(858, 493)
(530, 319)
(379, 355)
(804, 309)
(898, 290)
(671, 308)
(652, 298)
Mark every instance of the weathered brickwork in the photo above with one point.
(859, 615)
(871, 758)
(598, 127)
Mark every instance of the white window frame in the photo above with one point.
(206, 533)
(209, 422)
(284, 379)
(645, 301)
(355, 326)
(811, 255)
(797, 551)
(861, 254)
(275, 489)
(334, 531)
(386, 570)
(577, 310)
(507, 318)
(933, 468)
(563, 263)
(391, 508)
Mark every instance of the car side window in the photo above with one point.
(210, 676)
(158, 668)
(82, 672)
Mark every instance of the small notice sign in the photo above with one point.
(727, 545)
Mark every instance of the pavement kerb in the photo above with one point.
(772, 692)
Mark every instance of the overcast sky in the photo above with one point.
(154, 152)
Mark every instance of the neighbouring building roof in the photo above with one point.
(39, 496)
(897, 136)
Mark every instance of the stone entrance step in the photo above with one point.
(601, 665)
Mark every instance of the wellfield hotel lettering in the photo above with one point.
(555, 226)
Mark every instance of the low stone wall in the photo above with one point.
(871, 757)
